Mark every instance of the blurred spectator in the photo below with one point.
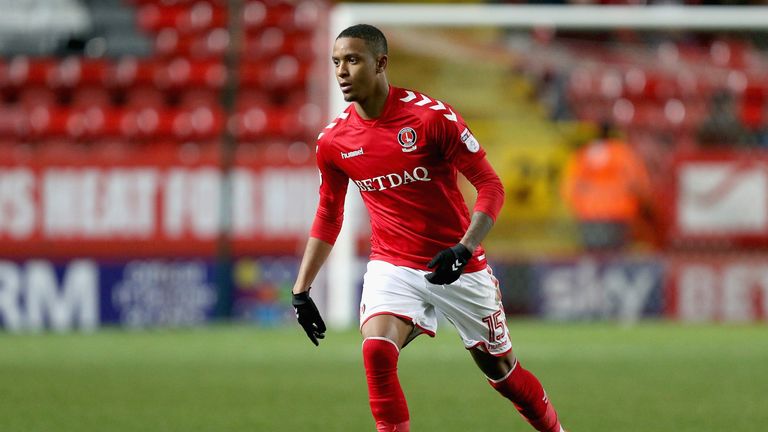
(551, 90)
(607, 187)
(723, 126)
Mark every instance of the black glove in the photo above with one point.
(448, 264)
(309, 317)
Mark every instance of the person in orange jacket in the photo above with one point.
(606, 186)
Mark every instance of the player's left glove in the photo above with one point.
(448, 264)
(309, 317)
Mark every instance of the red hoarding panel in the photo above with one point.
(146, 205)
(727, 288)
(720, 197)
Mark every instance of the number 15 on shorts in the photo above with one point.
(496, 328)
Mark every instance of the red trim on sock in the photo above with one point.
(526, 393)
(400, 427)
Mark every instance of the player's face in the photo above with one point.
(355, 67)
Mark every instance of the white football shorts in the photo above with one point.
(472, 304)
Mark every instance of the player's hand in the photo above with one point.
(448, 264)
(309, 317)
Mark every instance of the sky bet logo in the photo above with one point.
(391, 181)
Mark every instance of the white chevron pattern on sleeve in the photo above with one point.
(424, 100)
(331, 125)
(438, 106)
(410, 96)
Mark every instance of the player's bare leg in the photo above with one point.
(508, 377)
(383, 336)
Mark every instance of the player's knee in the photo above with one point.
(380, 353)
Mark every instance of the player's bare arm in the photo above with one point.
(315, 254)
(479, 227)
(449, 263)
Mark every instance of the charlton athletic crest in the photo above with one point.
(407, 139)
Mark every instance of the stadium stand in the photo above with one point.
(128, 73)
(660, 92)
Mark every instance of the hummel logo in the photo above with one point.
(352, 154)
(456, 265)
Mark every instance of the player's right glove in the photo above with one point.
(309, 317)
(448, 264)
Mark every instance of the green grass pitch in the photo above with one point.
(653, 377)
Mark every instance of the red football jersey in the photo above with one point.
(405, 165)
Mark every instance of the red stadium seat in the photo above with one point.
(676, 115)
(59, 149)
(273, 41)
(181, 73)
(198, 123)
(172, 73)
(690, 85)
(46, 122)
(310, 118)
(308, 14)
(95, 123)
(255, 14)
(194, 98)
(204, 15)
(211, 44)
(193, 151)
(250, 123)
(3, 74)
(259, 122)
(251, 97)
(187, 18)
(283, 14)
(730, 53)
(644, 85)
(11, 121)
(282, 73)
(146, 123)
(144, 96)
(154, 17)
(169, 43)
(131, 71)
(112, 149)
(623, 112)
(33, 96)
(74, 71)
(752, 114)
(23, 71)
(756, 89)
(91, 96)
